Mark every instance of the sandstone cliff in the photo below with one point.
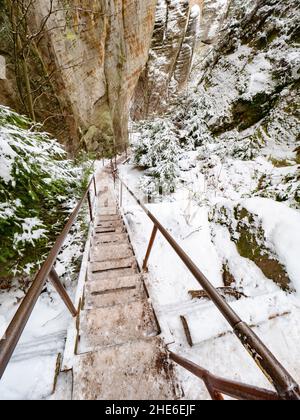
(92, 53)
(87, 59)
(170, 57)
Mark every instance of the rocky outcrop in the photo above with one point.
(170, 57)
(101, 51)
(213, 13)
(92, 53)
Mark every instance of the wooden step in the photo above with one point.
(113, 265)
(108, 211)
(114, 291)
(109, 224)
(108, 218)
(110, 239)
(115, 325)
(110, 227)
(133, 371)
(113, 274)
(103, 252)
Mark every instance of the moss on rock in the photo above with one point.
(247, 233)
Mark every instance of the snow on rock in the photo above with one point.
(170, 58)
(282, 230)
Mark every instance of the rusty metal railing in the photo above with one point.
(16, 327)
(217, 386)
(285, 385)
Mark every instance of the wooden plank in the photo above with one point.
(115, 325)
(115, 291)
(103, 252)
(133, 371)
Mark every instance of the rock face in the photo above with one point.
(213, 13)
(101, 50)
(91, 59)
(170, 57)
(251, 81)
(94, 52)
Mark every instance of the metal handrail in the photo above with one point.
(16, 327)
(285, 385)
(217, 386)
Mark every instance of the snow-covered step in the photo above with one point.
(107, 202)
(108, 211)
(113, 265)
(109, 239)
(114, 227)
(112, 274)
(114, 291)
(107, 218)
(100, 253)
(133, 371)
(115, 325)
(109, 224)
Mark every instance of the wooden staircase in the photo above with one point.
(119, 354)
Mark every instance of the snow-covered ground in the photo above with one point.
(274, 314)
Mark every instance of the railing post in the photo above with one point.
(152, 239)
(90, 206)
(121, 195)
(95, 186)
(53, 277)
(215, 395)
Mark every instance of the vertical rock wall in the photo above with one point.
(94, 52)
(100, 48)
(170, 58)
(96, 56)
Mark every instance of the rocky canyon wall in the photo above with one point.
(93, 52)
(182, 28)
(91, 61)
(100, 51)
(170, 57)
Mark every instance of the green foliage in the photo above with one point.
(39, 187)
(158, 150)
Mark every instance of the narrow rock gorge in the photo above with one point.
(93, 61)
(87, 57)
(170, 58)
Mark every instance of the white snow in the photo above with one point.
(7, 156)
(32, 230)
(274, 314)
(282, 229)
(259, 76)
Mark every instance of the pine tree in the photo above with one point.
(158, 150)
(39, 187)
